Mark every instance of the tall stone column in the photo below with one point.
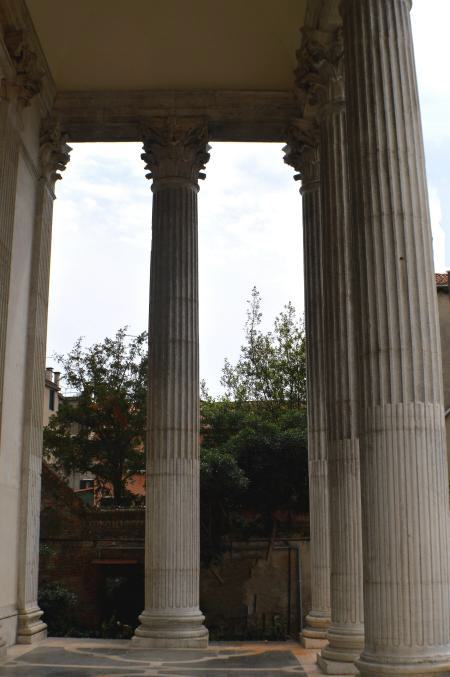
(346, 632)
(403, 462)
(20, 81)
(302, 152)
(9, 158)
(175, 155)
(54, 155)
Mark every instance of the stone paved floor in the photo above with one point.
(103, 658)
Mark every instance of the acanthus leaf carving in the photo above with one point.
(176, 150)
(302, 150)
(54, 152)
(28, 80)
(320, 73)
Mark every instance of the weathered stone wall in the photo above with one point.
(252, 592)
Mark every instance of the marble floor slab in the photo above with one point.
(97, 658)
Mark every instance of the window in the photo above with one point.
(86, 484)
(51, 400)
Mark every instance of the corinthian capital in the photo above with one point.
(302, 152)
(176, 150)
(320, 73)
(54, 151)
(29, 76)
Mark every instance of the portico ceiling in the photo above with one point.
(169, 44)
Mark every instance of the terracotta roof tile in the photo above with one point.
(441, 279)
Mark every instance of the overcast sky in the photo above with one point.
(249, 225)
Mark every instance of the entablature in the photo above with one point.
(229, 115)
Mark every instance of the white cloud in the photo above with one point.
(249, 234)
(249, 225)
(430, 21)
(439, 234)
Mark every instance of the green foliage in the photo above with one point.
(102, 429)
(254, 459)
(115, 629)
(58, 605)
(271, 368)
(223, 484)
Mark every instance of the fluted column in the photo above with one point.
(9, 158)
(54, 155)
(346, 632)
(302, 153)
(403, 461)
(175, 155)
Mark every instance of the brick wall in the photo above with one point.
(252, 592)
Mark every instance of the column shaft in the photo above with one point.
(54, 156)
(30, 626)
(303, 154)
(318, 619)
(173, 566)
(172, 617)
(403, 462)
(346, 632)
(9, 158)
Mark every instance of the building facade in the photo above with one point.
(444, 324)
(52, 394)
(169, 75)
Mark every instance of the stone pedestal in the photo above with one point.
(404, 477)
(54, 155)
(302, 153)
(172, 617)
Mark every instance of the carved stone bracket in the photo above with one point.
(54, 151)
(302, 152)
(176, 150)
(28, 81)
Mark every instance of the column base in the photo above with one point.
(171, 631)
(334, 667)
(314, 634)
(30, 628)
(312, 643)
(391, 666)
(345, 646)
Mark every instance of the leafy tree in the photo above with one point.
(258, 428)
(223, 483)
(271, 368)
(102, 428)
